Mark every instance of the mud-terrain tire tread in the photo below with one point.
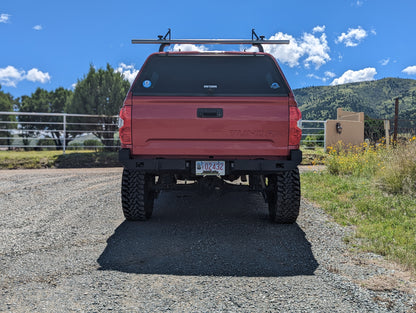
(137, 200)
(284, 197)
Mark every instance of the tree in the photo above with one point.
(59, 100)
(100, 92)
(43, 101)
(7, 103)
(373, 129)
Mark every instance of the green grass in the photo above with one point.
(51, 159)
(353, 190)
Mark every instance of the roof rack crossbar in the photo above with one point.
(257, 41)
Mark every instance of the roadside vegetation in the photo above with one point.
(56, 159)
(372, 189)
(315, 156)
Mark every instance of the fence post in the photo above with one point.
(64, 141)
(396, 121)
(387, 131)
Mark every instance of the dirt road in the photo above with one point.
(65, 247)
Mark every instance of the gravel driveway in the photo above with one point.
(65, 247)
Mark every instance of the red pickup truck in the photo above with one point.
(210, 118)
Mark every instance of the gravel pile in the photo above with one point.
(65, 247)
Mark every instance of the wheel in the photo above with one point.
(284, 197)
(137, 196)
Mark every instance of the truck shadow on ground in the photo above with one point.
(228, 235)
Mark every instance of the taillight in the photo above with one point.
(125, 125)
(295, 133)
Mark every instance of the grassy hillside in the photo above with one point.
(374, 98)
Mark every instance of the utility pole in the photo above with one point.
(396, 120)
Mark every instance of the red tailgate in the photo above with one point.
(255, 127)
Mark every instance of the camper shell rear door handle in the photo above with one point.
(209, 113)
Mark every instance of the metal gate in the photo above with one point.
(56, 130)
(313, 133)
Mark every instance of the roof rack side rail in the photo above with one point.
(166, 40)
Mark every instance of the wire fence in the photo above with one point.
(375, 129)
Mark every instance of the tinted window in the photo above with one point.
(215, 75)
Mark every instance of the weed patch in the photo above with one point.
(399, 171)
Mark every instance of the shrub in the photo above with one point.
(75, 146)
(373, 129)
(95, 144)
(314, 140)
(46, 142)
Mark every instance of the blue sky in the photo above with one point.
(50, 44)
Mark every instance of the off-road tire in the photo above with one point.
(137, 196)
(284, 197)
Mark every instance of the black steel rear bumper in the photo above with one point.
(232, 167)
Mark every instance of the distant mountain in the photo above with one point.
(374, 98)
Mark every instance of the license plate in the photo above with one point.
(210, 168)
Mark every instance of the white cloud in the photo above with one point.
(318, 29)
(351, 76)
(4, 18)
(189, 47)
(287, 54)
(330, 74)
(314, 50)
(37, 27)
(34, 75)
(314, 76)
(327, 75)
(128, 71)
(410, 70)
(353, 37)
(384, 62)
(10, 76)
